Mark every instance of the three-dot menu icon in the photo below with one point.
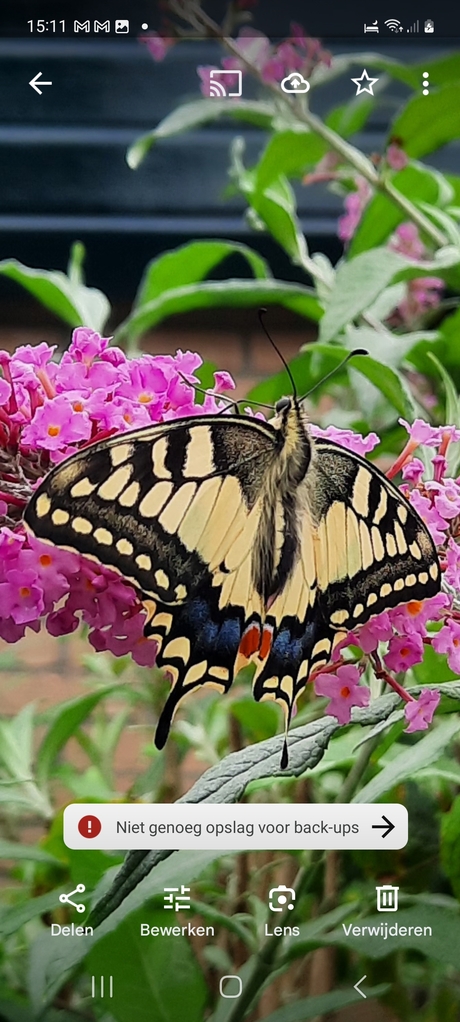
(426, 83)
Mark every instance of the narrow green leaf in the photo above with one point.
(381, 217)
(70, 300)
(452, 401)
(30, 853)
(450, 844)
(324, 1004)
(66, 719)
(427, 750)
(288, 153)
(196, 114)
(16, 916)
(429, 122)
(441, 944)
(361, 280)
(220, 294)
(193, 262)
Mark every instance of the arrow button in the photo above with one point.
(36, 81)
(387, 826)
(357, 986)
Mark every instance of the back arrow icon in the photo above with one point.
(357, 986)
(387, 826)
(33, 82)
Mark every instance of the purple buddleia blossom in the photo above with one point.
(51, 408)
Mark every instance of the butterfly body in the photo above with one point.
(248, 541)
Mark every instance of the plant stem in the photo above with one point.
(196, 16)
(352, 780)
(265, 959)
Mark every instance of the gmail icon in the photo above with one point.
(81, 26)
(102, 26)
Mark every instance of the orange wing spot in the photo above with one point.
(266, 644)
(250, 641)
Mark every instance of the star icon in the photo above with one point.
(364, 84)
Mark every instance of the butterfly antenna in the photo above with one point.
(261, 313)
(210, 393)
(356, 351)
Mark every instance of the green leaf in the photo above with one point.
(195, 115)
(20, 1011)
(387, 381)
(450, 844)
(452, 400)
(324, 1004)
(358, 283)
(351, 117)
(429, 122)
(382, 216)
(16, 916)
(221, 294)
(425, 751)
(191, 263)
(257, 726)
(67, 717)
(162, 971)
(31, 853)
(442, 945)
(361, 280)
(276, 206)
(288, 153)
(69, 299)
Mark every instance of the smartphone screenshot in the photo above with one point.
(229, 512)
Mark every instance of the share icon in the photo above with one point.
(66, 899)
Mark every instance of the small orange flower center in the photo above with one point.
(24, 591)
(145, 399)
(45, 560)
(54, 430)
(404, 651)
(77, 406)
(345, 691)
(456, 642)
(127, 417)
(414, 607)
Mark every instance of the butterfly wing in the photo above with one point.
(363, 551)
(174, 509)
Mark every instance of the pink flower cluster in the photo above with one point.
(48, 410)
(394, 642)
(297, 53)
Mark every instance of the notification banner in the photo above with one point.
(243, 827)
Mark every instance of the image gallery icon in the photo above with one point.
(280, 898)
(387, 898)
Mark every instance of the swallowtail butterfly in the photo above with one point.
(248, 541)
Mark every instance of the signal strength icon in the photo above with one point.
(414, 28)
(217, 90)
(394, 25)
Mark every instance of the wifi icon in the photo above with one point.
(394, 25)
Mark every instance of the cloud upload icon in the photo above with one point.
(295, 82)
